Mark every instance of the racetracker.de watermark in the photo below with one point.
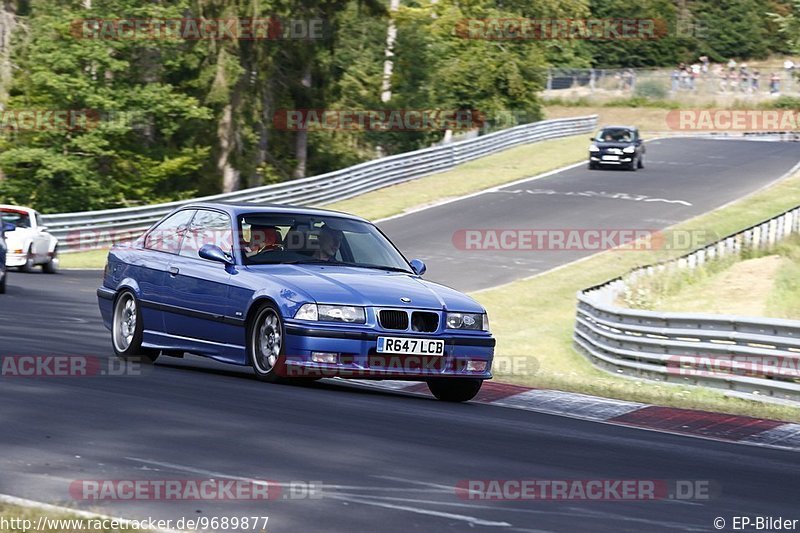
(531, 29)
(193, 489)
(196, 29)
(377, 119)
(750, 120)
(724, 365)
(585, 489)
(12, 120)
(592, 239)
(67, 366)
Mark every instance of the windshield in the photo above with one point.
(623, 135)
(269, 238)
(18, 218)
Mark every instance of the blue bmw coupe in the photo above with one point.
(295, 293)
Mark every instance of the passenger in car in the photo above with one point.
(329, 242)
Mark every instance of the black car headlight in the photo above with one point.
(471, 321)
(349, 314)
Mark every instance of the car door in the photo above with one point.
(197, 289)
(149, 267)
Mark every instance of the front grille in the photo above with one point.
(423, 321)
(392, 319)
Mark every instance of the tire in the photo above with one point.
(265, 346)
(641, 161)
(29, 264)
(455, 389)
(51, 267)
(127, 330)
(3, 282)
(634, 164)
(592, 166)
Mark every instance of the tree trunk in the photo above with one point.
(8, 22)
(301, 140)
(388, 64)
(231, 179)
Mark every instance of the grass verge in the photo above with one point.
(759, 283)
(20, 519)
(87, 259)
(533, 319)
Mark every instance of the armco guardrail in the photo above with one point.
(749, 355)
(91, 229)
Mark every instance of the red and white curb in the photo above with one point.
(702, 424)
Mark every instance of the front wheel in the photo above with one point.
(127, 330)
(641, 161)
(3, 283)
(455, 389)
(265, 344)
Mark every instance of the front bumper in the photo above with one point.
(357, 356)
(598, 159)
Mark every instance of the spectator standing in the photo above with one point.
(774, 83)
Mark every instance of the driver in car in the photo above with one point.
(263, 239)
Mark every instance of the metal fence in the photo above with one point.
(93, 229)
(677, 83)
(744, 354)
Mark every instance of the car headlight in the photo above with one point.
(593, 148)
(349, 314)
(473, 321)
(629, 149)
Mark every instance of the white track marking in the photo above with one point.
(472, 520)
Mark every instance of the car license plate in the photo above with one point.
(610, 158)
(406, 346)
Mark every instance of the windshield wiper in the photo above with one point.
(347, 263)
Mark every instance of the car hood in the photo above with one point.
(366, 287)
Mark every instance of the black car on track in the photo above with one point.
(617, 146)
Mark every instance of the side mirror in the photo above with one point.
(8, 226)
(418, 266)
(591, 138)
(42, 228)
(212, 252)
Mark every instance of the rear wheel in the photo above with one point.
(455, 389)
(3, 283)
(265, 346)
(51, 267)
(127, 330)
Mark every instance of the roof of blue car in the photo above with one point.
(241, 208)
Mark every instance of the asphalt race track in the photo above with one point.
(384, 461)
(684, 178)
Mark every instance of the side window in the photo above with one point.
(208, 227)
(39, 223)
(166, 237)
